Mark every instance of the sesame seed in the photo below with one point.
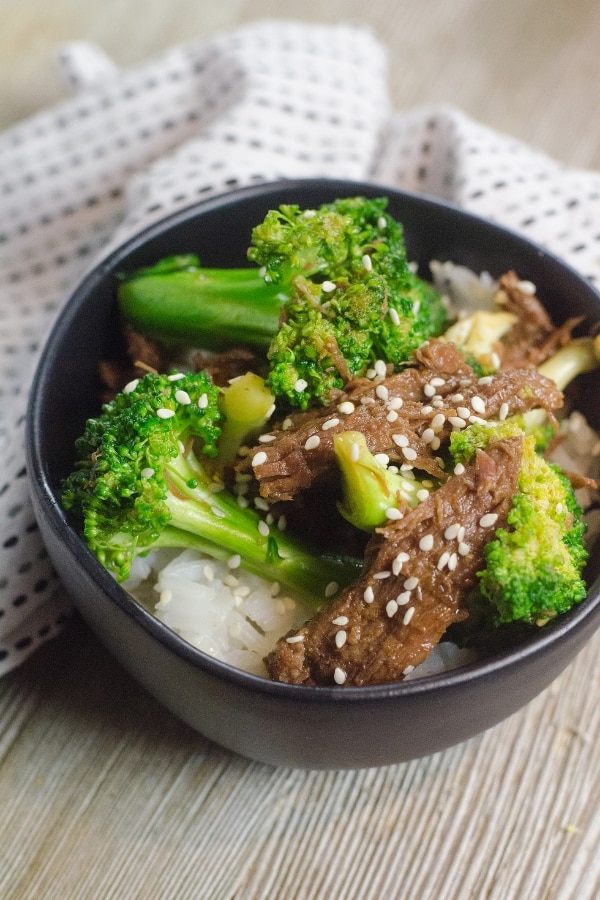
(263, 529)
(456, 421)
(369, 595)
(287, 423)
(435, 443)
(294, 639)
(202, 401)
(485, 379)
(131, 386)
(409, 453)
(382, 392)
(340, 639)
(394, 315)
(148, 472)
(428, 435)
(380, 368)
(300, 385)
(234, 561)
(330, 423)
(395, 403)
(422, 494)
(183, 397)
(331, 589)
(456, 398)
(495, 360)
(400, 440)
(164, 413)
(453, 562)
(437, 402)
(259, 458)
(391, 608)
(394, 514)
(426, 542)
(281, 523)
(408, 615)
(503, 411)
(355, 452)
(459, 469)
(328, 286)
(397, 565)
(438, 421)
(346, 407)
(243, 502)
(411, 583)
(403, 598)
(463, 411)
(437, 381)
(443, 560)
(339, 676)
(488, 520)
(407, 670)
(392, 416)
(312, 442)
(464, 549)
(478, 404)
(380, 576)
(266, 438)
(367, 263)
(416, 307)
(451, 531)
(429, 390)
(340, 620)
(461, 533)
(382, 223)
(526, 287)
(261, 503)
(381, 458)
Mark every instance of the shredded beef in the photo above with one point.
(533, 338)
(404, 415)
(388, 622)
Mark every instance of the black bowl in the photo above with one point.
(309, 727)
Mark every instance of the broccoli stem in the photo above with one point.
(370, 489)
(246, 404)
(214, 523)
(210, 308)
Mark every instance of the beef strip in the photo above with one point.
(405, 416)
(417, 572)
(533, 337)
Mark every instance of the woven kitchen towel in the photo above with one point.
(271, 100)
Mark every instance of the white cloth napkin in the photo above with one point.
(270, 100)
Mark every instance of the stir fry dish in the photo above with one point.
(324, 419)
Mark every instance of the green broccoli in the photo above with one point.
(372, 491)
(139, 482)
(336, 279)
(533, 568)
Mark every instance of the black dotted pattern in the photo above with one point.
(441, 152)
(268, 101)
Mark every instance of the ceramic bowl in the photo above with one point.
(281, 724)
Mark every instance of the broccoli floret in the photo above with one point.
(533, 567)
(337, 278)
(373, 491)
(140, 482)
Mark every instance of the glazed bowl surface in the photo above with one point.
(282, 724)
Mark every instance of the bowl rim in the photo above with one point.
(490, 667)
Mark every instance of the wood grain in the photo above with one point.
(106, 795)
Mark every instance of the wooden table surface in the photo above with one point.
(103, 793)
